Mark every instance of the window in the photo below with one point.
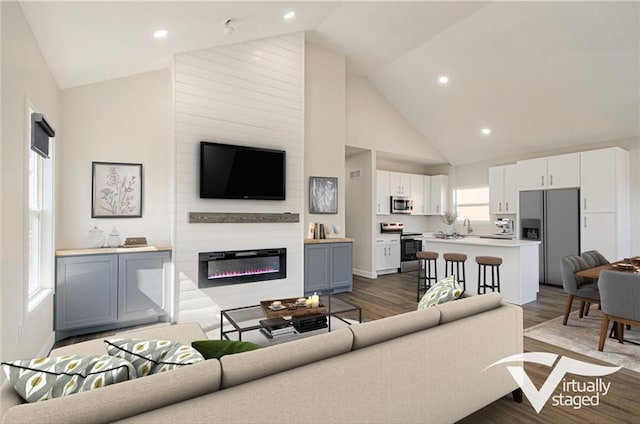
(40, 221)
(472, 203)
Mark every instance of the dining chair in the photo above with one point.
(593, 258)
(577, 287)
(620, 302)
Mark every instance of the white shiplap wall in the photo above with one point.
(249, 94)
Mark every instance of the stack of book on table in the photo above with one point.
(277, 328)
(309, 322)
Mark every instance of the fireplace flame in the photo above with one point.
(240, 273)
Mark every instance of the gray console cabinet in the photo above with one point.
(86, 291)
(104, 291)
(328, 267)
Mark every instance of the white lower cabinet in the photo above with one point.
(387, 254)
(598, 233)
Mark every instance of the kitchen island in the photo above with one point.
(519, 280)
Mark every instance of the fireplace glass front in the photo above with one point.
(243, 266)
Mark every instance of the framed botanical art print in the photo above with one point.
(323, 195)
(116, 190)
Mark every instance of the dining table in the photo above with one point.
(624, 265)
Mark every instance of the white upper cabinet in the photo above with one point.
(598, 191)
(561, 171)
(418, 194)
(439, 189)
(383, 203)
(399, 184)
(503, 189)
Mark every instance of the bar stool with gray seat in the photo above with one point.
(427, 262)
(484, 262)
(458, 260)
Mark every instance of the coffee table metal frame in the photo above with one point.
(252, 314)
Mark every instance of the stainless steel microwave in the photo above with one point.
(401, 204)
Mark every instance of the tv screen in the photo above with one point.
(238, 172)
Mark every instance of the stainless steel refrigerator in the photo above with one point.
(553, 217)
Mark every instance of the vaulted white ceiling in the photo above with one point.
(541, 75)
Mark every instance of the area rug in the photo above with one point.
(582, 335)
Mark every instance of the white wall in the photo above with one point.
(25, 74)
(373, 123)
(249, 94)
(360, 209)
(325, 126)
(121, 120)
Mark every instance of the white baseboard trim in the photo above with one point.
(365, 274)
(46, 347)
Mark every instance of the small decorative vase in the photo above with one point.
(95, 238)
(114, 238)
(449, 230)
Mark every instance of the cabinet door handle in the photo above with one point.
(585, 222)
(585, 204)
(507, 206)
(499, 206)
(550, 180)
(378, 207)
(543, 181)
(437, 208)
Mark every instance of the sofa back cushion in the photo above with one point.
(247, 366)
(384, 329)
(467, 306)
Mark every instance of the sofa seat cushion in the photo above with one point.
(384, 329)
(210, 349)
(238, 369)
(443, 291)
(153, 356)
(47, 378)
(468, 305)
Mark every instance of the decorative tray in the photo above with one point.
(625, 267)
(290, 308)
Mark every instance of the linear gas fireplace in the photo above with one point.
(241, 266)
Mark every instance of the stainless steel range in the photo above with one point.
(410, 244)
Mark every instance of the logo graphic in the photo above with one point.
(565, 365)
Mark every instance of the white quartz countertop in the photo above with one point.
(483, 241)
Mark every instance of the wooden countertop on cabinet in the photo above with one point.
(329, 240)
(107, 250)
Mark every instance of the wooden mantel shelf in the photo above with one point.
(241, 218)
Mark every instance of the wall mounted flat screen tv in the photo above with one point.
(239, 172)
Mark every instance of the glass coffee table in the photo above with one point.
(247, 318)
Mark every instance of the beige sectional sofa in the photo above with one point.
(423, 366)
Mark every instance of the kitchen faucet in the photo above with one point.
(467, 223)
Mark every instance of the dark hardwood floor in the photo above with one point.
(396, 293)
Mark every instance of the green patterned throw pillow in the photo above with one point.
(153, 356)
(441, 292)
(47, 378)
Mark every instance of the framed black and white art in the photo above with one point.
(116, 190)
(323, 195)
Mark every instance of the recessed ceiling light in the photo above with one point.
(485, 131)
(443, 80)
(161, 33)
(289, 15)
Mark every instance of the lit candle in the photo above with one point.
(315, 301)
